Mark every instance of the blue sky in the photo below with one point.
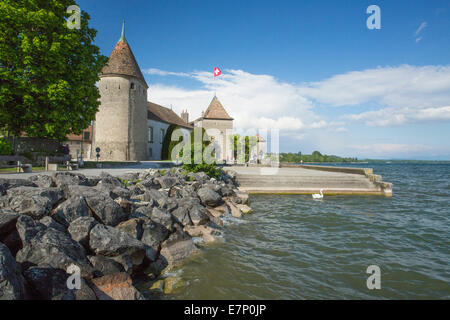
(311, 69)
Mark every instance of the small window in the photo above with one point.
(150, 152)
(162, 135)
(132, 85)
(150, 134)
(86, 135)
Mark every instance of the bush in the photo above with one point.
(210, 169)
(5, 147)
(168, 144)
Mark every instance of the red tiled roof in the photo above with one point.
(122, 62)
(216, 111)
(160, 113)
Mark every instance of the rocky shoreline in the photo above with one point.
(115, 230)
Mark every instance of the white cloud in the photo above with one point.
(395, 116)
(159, 72)
(254, 101)
(341, 129)
(422, 26)
(403, 86)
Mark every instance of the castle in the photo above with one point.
(127, 127)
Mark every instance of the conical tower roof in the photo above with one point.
(216, 111)
(122, 61)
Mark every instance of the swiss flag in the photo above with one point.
(217, 72)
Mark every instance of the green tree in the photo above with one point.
(48, 72)
(168, 144)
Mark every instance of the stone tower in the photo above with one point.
(120, 128)
(216, 117)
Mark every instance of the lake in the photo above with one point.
(294, 247)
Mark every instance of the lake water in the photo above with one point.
(294, 247)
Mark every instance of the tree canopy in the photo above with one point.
(48, 72)
(316, 156)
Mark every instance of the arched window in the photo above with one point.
(132, 85)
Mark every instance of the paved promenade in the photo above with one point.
(96, 171)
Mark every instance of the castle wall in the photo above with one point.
(225, 128)
(120, 129)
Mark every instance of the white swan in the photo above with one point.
(318, 195)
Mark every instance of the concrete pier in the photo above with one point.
(310, 179)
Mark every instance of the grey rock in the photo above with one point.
(28, 228)
(49, 283)
(35, 202)
(50, 223)
(69, 178)
(209, 197)
(174, 253)
(106, 178)
(80, 229)
(13, 242)
(182, 215)
(101, 205)
(167, 181)
(198, 215)
(119, 245)
(162, 217)
(70, 210)
(48, 246)
(201, 177)
(153, 236)
(133, 227)
(12, 283)
(7, 222)
(142, 212)
(105, 265)
(42, 181)
(14, 183)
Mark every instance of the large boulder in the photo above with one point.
(101, 205)
(162, 217)
(80, 229)
(198, 215)
(153, 236)
(69, 178)
(11, 280)
(49, 283)
(201, 177)
(32, 201)
(117, 286)
(6, 184)
(207, 233)
(104, 265)
(235, 211)
(175, 252)
(133, 227)
(209, 197)
(118, 244)
(48, 246)
(42, 181)
(109, 179)
(7, 222)
(70, 210)
(50, 223)
(167, 181)
(182, 215)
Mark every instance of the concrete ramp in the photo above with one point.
(308, 180)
